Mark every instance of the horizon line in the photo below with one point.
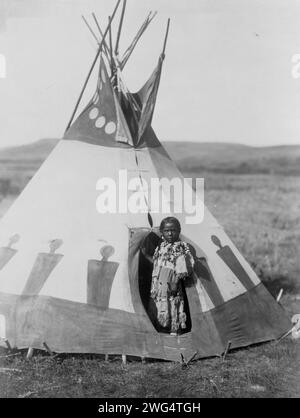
(219, 142)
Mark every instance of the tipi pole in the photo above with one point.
(120, 27)
(90, 29)
(111, 48)
(166, 37)
(100, 32)
(92, 67)
(140, 32)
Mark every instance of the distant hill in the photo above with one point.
(35, 151)
(189, 156)
(235, 158)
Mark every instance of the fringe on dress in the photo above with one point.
(172, 263)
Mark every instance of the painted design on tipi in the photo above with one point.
(102, 121)
(42, 268)
(6, 253)
(100, 277)
(146, 98)
(203, 273)
(229, 258)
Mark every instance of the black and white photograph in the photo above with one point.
(149, 202)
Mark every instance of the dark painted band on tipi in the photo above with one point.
(84, 328)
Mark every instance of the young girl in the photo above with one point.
(172, 263)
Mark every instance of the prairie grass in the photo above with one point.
(266, 370)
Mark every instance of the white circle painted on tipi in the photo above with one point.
(100, 122)
(110, 128)
(93, 113)
(103, 76)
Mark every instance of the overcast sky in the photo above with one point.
(227, 74)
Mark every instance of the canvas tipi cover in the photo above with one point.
(73, 278)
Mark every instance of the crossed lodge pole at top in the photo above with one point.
(93, 64)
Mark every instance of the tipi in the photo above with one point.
(72, 278)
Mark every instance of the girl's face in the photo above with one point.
(170, 232)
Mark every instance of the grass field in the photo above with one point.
(267, 370)
(261, 214)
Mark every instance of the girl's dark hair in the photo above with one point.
(168, 220)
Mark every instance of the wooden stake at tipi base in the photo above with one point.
(8, 345)
(30, 352)
(47, 348)
(226, 351)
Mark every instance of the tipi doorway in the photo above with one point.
(149, 244)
